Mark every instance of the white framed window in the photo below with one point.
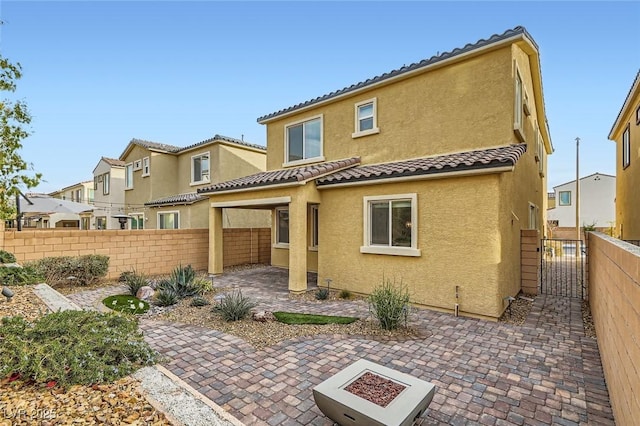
(200, 168)
(136, 221)
(105, 183)
(92, 195)
(146, 167)
(626, 147)
(541, 153)
(564, 198)
(169, 220)
(391, 225)
(314, 228)
(95, 182)
(533, 216)
(366, 122)
(128, 176)
(517, 110)
(137, 165)
(282, 227)
(303, 141)
(101, 222)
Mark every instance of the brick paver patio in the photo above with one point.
(545, 372)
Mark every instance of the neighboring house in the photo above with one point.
(551, 200)
(108, 185)
(597, 202)
(626, 134)
(82, 193)
(425, 175)
(44, 211)
(160, 182)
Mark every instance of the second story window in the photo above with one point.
(517, 112)
(565, 198)
(146, 169)
(128, 176)
(366, 118)
(105, 184)
(200, 168)
(303, 141)
(626, 148)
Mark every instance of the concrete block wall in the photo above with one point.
(614, 297)
(150, 251)
(529, 260)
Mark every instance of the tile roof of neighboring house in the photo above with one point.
(634, 87)
(470, 160)
(187, 198)
(113, 162)
(172, 149)
(276, 177)
(517, 31)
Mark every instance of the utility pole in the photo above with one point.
(577, 190)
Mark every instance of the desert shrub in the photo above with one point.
(73, 347)
(134, 282)
(322, 294)
(19, 276)
(7, 257)
(389, 303)
(199, 301)
(203, 285)
(234, 306)
(166, 294)
(85, 270)
(345, 294)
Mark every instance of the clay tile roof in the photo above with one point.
(113, 162)
(155, 145)
(407, 68)
(187, 198)
(470, 160)
(280, 176)
(225, 139)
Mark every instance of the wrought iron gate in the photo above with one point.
(562, 268)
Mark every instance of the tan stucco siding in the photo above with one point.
(191, 216)
(456, 108)
(458, 235)
(628, 179)
(234, 162)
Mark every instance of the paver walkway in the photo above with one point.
(545, 372)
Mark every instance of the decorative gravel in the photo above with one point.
(520, 308)
(587, 320)
(24, 303)
(375, 389)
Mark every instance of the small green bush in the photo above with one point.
(126, 303)
(389, 303)
(183, 275)
(199, 301)
(134, 282)
(73, 347)
(7, 257)
(203, 285)
(345, 294)
(166, 295)
(234, 306)
(85, 270)
(322, 294)
(19, 276)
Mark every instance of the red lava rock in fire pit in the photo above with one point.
(375, 389)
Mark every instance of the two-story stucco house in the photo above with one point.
(626, 134)
(81, 192)
(426, 174)
(160, 182)
(108, 185)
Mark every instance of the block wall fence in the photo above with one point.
(151, 251)
(529, 260)
(614, 297)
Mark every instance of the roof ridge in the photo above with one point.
(218, 137)
(407, 68)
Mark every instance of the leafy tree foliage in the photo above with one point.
(14, 119)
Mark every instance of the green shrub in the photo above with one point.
(389, 303)
(345, 294)
(322, 294)
(199, 301)
(166, 295)
(19, 276)
(126, 303)
(73, 347)
(7, 257)
(134, 282)
(183, 275)
(85, 270)
(234, 306)
(203, 285)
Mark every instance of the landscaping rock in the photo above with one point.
(145, 293)
(263, 316)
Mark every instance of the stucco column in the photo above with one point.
(298, 245)
(215, 241)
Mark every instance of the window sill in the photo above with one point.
(393, 251)
(128, 189)
(284, 246)
(202, 182)
(313, 249)
(518, 131)
(302, 162)
(373, 131)
(147, 175)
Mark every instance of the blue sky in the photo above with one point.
(97, 74)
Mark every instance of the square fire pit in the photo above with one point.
(366, 393)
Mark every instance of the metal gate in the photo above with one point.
(562, 268)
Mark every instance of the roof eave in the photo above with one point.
(633, 92)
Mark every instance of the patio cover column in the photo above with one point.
(298, 245)
(215, 241)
